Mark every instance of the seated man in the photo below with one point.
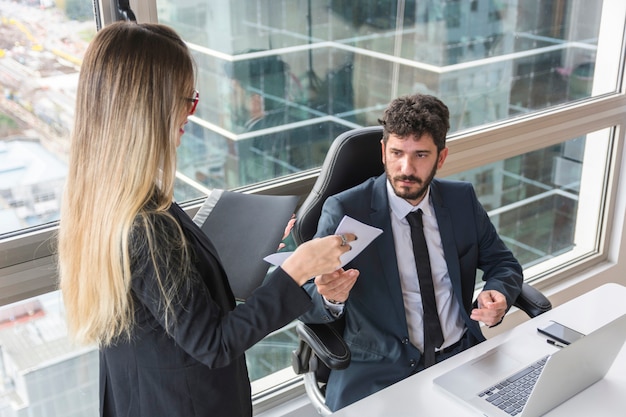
(394, 325)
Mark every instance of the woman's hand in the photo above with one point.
(316, 257)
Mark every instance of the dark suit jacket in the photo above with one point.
(376, 328)
(200, 370)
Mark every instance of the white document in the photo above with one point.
(365, 235)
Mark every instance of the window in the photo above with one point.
(40, 57)
(535, 91)
(317, 71)
(534, 199)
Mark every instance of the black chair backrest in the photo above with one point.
(353, 157)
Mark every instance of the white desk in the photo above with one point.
(418, 396)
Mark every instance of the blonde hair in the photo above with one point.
(133, 89)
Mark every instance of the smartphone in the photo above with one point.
(560, 333)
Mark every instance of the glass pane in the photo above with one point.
(41, 48)
(280, 79)
(272, 353)
(533, 199)
(41, 372)
(318, 68)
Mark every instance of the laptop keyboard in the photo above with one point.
(511, 394)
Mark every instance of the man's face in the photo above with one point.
(411, 164)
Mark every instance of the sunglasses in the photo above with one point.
(194, 102)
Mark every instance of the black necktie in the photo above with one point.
(433, 336)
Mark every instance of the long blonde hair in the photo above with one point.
(133, 88)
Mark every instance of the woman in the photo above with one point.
(138, 277)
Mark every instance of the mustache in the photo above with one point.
(408, 178)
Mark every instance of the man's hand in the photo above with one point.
(335, 287)
(491, 307)
(288, 228)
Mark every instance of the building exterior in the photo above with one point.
(42, 373)
(31, 184)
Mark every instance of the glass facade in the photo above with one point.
(534, 199)
(283, 78)
(279, 80)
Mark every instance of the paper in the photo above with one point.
(365, 235)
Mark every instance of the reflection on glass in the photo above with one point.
(533, 199)
(283, 78)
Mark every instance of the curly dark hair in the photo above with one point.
(415, 115)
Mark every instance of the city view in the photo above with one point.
(41, 49)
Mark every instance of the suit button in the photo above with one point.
(405, 341)
(412, 363)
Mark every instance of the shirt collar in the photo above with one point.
(399, 207)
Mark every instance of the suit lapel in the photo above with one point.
(447, 236)
(380, 218)
(449, 246)
(208, 260)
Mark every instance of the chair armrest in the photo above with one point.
(532, 301)
(325, 342)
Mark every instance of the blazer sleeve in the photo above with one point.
(501, 270)
(201, 325)
(332, 213)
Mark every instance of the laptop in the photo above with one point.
(481, 383)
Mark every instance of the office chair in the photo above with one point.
(353, 157)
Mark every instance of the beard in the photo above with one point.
(409, 193)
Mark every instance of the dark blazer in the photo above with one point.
(376, 328)
(200, 370)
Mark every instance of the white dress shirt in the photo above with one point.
(449, 310)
